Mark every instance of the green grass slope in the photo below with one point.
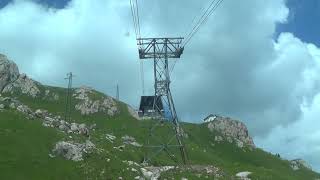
(24, 148)
(25, 145)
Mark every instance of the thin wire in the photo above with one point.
(201, 20)
(134, 18)
(142, 76)
(204, 19)
(172, 67)
(137, 10)
(198, 22)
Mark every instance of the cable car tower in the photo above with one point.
(160, 50)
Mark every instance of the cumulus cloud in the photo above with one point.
(87, 38)
(234, 66)
(299, 139)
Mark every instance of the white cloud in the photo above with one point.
(297, 140)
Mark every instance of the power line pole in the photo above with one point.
(161, 50)
(118, 92)
(68, 97)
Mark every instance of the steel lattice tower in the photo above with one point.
(69, 97)
(161, 50)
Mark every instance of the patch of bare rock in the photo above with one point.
(154, 173)
(231, 130)
(11, 80)
(48, 119)
(89, 105)
(9, 71)
(130, 140)
(72, 151)
(243, 175)
(23, 84)
(297, 164)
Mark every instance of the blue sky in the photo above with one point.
(304, 20)
(51, 3)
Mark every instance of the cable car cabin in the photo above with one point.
(147, 110)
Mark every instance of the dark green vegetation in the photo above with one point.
(25, 145)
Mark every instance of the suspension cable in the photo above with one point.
(209, 11)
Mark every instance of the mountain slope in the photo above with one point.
(103, 140)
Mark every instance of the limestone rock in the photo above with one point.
(68, 150)
(109, 105)
(73, 151)
(202, 169)
(120, 148)
(24, 109)
(9, 72)
(41, 113)
(88, 105)
(74, 127)
(110, 137)
(296, 164)
(233, 130)
(154, 173)
(243, 175)
(23, 84)
(218, 138)
(82, 129)
(50, 95)
(130, 140)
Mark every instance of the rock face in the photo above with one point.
(130, 140)
(88, 105)
(11, 80)
(9, 72)
(25, 85)
(73, 151)
(296, 164)
(243, 175)
(232, 130)
(154, 173)
(48, 119)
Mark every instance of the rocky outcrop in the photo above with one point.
(111, 138)
(9, 72)
(243, 175)
(89, 105)
(11, 81)
(130, 140)
(73, 151)
(232, 130)
(48, 119)
(51, 95)
(23, 84)
(154, 173)
(296, 164)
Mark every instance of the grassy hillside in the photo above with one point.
(25, 145)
